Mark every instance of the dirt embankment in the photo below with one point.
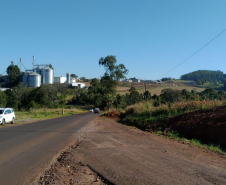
(208, 126)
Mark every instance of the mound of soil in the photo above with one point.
(68, 169)
(208, 126)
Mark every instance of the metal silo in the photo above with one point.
(48, 76)
(38, 70)
(34, 80)
(25, 78)
(43, 75)
(68, 78)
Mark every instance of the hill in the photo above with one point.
(204, 75)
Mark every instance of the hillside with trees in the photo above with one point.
(205, 76)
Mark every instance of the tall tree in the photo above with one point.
(50, 65)
(115, 72)
(14, 73)
(74, 76)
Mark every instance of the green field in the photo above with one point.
(23, 117)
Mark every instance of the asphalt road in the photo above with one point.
(26, 150)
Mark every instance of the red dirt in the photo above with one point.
(208, 126)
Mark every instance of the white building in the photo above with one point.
(60, 80)
(78, 85)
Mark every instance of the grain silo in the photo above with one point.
(38, 70)
(68, 78)
(25, 78)
(34, 80)
(48, 76)
(43, 73)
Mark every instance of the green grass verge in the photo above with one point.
(43, 114)
(194, 142)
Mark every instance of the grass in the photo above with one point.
(146, 110)
(211, 85)
(195, 142)
(43, 114)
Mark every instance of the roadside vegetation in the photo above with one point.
(143, 115)
(176, 136)
(43, 114)
(152, 113)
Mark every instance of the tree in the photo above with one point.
(14, 75)
(3, 99)
(170, 95)
(134, 95)
(74, 76)
(224, 82)
(83, 79)
(62, 98)
(50, 65)
(147, 95)
(166, 78)
(110, 98)
(113, 73)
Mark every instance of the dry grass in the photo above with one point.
(155, 88)
(184, 106)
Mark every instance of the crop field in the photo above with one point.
(155, 88)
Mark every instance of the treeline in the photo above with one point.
(102, 93)
(54, 96)
(94, 96)
(26, 98)
(205, 76)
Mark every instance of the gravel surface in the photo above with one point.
(110, 153)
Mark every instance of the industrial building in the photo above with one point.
(60, 80)
(42, 74)
(63, 80)
(68, 80)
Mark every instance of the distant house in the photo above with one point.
(159, 82)
(127, 80)
(135, 80)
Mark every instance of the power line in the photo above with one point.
(3, 72)
(196, 52)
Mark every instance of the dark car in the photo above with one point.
(96, 110)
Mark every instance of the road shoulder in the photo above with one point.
(111, 153)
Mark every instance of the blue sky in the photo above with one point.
(150, 37)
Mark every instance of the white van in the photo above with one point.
(7, 115)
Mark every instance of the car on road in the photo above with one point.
(96, 110)
(7, 115)
(90, 110)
